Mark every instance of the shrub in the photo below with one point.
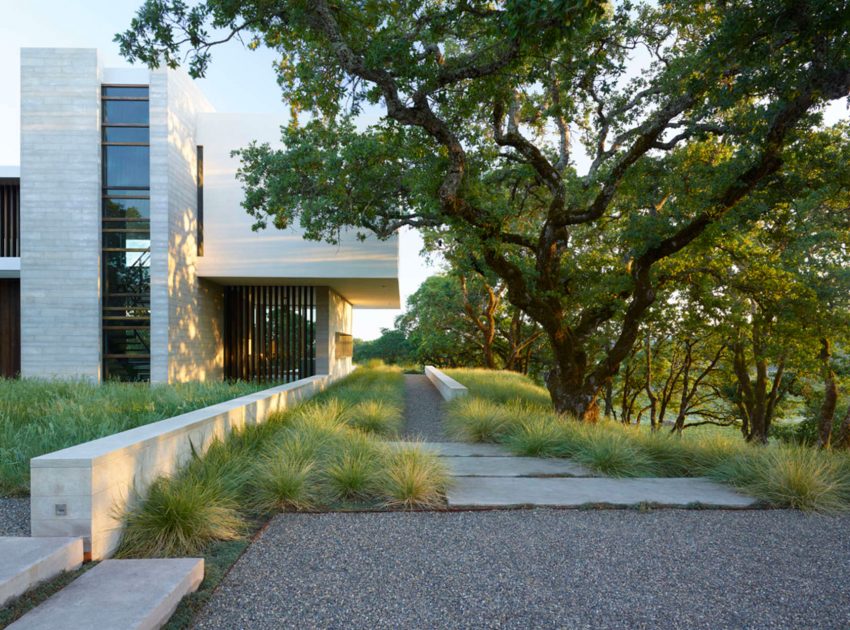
(179, 517)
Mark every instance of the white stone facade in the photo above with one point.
(61, 192)
(60, 213)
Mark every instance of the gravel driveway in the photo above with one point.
(14, 517)
(542, 569)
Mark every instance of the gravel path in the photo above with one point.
(541, 569)
(14, 517)
(423, 410)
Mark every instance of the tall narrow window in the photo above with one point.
(126, 240)
(200, 213)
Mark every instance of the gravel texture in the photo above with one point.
(423, 410)
(541, 569)
(14, 517)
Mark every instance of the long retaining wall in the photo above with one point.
(446, 385)
(84, 490)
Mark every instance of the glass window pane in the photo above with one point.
(127, 208)
(127, 272)
(126, 240)
(127, 166)
(133, 369)
(128, 341)
(125, 92)
(126, 134)
(125, 112)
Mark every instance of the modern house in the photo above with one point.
(125, 253)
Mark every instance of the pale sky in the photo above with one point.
(239, 80)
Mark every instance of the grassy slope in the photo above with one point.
(38, 417)
(325, 454)
(508, 408)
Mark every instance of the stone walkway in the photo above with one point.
(488, 476)
(423, 410)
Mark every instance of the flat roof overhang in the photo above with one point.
(363, 293)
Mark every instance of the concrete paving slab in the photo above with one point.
(458, 449)
(119, 595)
(514, 467)
(28, 561)
(484, 492)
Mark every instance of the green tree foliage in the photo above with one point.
(391, 347)
(486, 110)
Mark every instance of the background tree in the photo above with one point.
(484, 106)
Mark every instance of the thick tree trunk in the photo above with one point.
(570, 397)
(830, 396)
(843, 440)
(610, 412)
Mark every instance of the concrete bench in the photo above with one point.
(84, 490)
(446, 385)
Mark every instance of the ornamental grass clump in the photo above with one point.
(283, 484)
(179, 517)
(612, 452)
(473, 419)
(413, 478)
(353, 476)
(789, 476)
(542, 435)
(375, 416)
(323, 454)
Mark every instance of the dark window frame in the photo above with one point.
(122, 311)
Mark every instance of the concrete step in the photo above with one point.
(514, 467)
(119, 595)
(28, 561)
(489, 492)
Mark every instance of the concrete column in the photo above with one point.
(186, 312)
(333, 315)
(60, 213)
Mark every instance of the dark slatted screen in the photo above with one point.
(269, 333)
(10, 216)
(10, 327)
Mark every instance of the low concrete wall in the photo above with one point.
(84, 490)
(446, 385)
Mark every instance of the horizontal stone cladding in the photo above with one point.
(60, 213)
(187, 313)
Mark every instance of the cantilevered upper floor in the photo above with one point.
(365, 272)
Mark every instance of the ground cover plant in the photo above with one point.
(38, 417)
(510, 409)
(327, 453)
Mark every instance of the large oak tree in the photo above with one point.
(520, 132)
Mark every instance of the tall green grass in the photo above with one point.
(327, 453)
(38, 417)
(510, 409)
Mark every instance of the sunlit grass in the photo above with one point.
(510, 409)
(38, 417)
(323, 454)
